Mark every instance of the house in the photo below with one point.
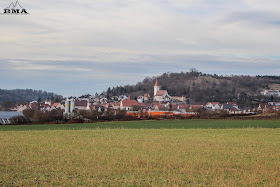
(147, 97)
(170, 106)
(140, 99)
(271, 92)
(176, 98)
(183, 108)
(48, 108)
(91, 106)
(103, 100)
(44, 107)
(108, 105)
(81, 104)
(159, 107)
(234, 104)
(122, 97)
(6, 117)
(234, 111)
(274, 103)
(131, 104)
(213, 105)
(115, 105)
(196, 107)
(57, 106)
(22, 108)
(230, 108)
(33, 105)
(112, 106)
(48, 102)
(277, 108)
(263, 107)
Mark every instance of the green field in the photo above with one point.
(219, 153)
(163, 124)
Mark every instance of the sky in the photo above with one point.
(79, 47)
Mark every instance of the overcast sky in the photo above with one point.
(78, 47)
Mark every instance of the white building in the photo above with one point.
(271, 92)
(69, 105)
(213, 105)
(160, 95)
(140, 99)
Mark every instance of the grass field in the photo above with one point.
(142, 157)
(163, 124)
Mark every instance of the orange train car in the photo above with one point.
(159, 114)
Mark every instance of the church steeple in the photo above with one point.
(156, 87)
(156, 84)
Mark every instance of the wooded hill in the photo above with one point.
(24, 95)
(200, 88)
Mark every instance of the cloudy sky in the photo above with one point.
(78, 47)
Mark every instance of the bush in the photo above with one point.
(29, 114)
(76, 121)
(120, 114)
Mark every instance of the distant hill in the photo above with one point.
(24, 95)
(201, 88)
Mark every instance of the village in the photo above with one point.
(159, 105)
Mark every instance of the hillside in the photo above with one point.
(201, 88)
(23, 95)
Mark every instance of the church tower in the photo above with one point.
(156, 88)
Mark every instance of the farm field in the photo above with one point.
(163, 124)
(141, 157)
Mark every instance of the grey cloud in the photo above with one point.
(255, 17)
(102, 75)
(93, 43)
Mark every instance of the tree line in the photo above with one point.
(200, 88)
(9, 98)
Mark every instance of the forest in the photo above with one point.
(23, 96)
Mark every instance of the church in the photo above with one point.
(160, 95)
(163, 96)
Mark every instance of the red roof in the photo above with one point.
(115, 104)
(173, 106)
(155, 103)
(108, 105)
(129, 103)
(81, 103)
(183, 106)
(55, 105)
(161, 92)
(197, 106)
(91, 106)
(213, 103)
(156, 84)
(160, 106)
(233, 109)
